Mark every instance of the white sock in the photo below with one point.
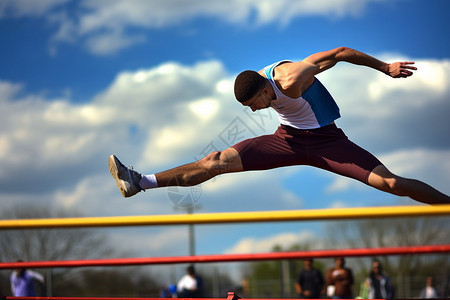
(148, 182)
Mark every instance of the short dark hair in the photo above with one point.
(247, 84)
(190, 269)
(380, 266)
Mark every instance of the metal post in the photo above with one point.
(48, 282)
(284, 279)
(191, 234)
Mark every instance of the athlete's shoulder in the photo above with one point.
(269, 70)
(304, 67)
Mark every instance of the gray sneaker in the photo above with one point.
(126, 178)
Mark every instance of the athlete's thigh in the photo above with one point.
(348, 159)
(268, 152)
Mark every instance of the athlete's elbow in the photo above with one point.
(342, 52)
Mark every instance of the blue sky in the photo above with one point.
(151, 81)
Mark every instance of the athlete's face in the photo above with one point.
(259, 101)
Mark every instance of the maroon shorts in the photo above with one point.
(327, 148)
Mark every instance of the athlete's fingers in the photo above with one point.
(407, 65)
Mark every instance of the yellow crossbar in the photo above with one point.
(231, 217)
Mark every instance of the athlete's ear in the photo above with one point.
(266, 89)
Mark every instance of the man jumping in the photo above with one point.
(307, 134)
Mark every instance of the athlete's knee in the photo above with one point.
(221, 162)
(392, 184)
(381, 178)
(214, 163)
(397, 185)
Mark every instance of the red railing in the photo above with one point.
(410, 250)
(231, 296)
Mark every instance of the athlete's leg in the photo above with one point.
(341, 156)
(131, 182)
(200, 171)
(382, 179)
(260, 153)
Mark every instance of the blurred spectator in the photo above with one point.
(309, 281)
(23, 282)
(169, 291)
(429, 291)
(190, 285)
(378, 285)
(242, 290)
(339, 281)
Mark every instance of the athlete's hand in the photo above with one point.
(401, 69)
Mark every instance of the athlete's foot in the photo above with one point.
(126, 178)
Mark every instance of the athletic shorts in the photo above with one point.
(327, 148)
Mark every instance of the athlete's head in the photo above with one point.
(248, 84)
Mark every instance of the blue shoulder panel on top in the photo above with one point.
(322, 103)
(268, 71)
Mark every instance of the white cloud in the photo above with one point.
(112, 42)
(9, 90)
(338, 204)
(205, 109)
(163, 242)
(116, 16)
(266, 244)
(40, 133)
(285, 11)
(290, 199)
(104, 27)
(151, 14)
(432, 77)
(23, 8)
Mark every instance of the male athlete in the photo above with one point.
(307, 134)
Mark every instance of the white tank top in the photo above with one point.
(315, 108)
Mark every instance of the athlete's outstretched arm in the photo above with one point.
(327, 59)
